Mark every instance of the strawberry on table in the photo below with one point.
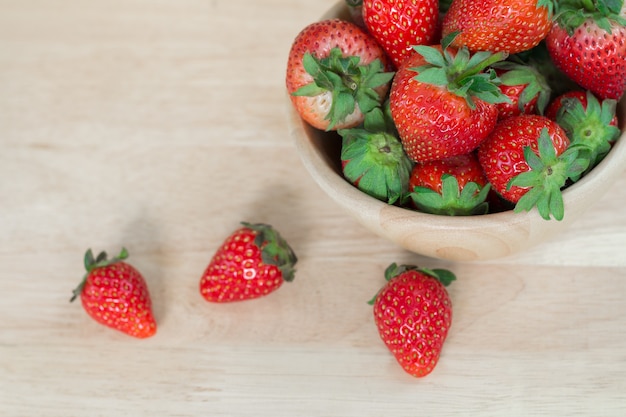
(115, 294)
(252, 262)
(511, 26)
(413, 314)
(526, 162)
(400, 25)
(336, 73)
(454, 186)
(442, 101)
(588, 43)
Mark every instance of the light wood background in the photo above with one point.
(159, 125)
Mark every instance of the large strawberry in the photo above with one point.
(400, 25)
(526, 162)
(115, 294)
(336, 73)
(413, 313)
(588, 43)
(512, 26)
(590, 125)
(454, 186)
(443, 102)
(252, 262)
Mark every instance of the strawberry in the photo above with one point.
(512, 26)
(454, 186)
(525, 86)
(526, 162)
(336, 74)
(590, 125)
(373, 159)
(413, 313)
(400, 25)
(252, 262)
(115, 294)
(442, 101)
(588, 43)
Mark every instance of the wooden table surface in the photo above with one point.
(159, 125)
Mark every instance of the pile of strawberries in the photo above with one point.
(465, 107)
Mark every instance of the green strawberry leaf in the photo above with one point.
(452, 201)
(350, 83)
(548, 174)
(274, 249)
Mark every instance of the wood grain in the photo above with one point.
(159, 126)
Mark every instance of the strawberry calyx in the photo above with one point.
(462, 73)
(572, 13)
(589, 129)
(452, 201)
(274, 249)
(92, 263)
(444, 276)
(548, 174)
(536, 85)
(374, 160)
(350, 83)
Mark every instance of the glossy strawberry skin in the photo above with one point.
(318, 39)
(117, 296)
(465, 168)
(512, 26)
(398, 26)
(432, 122)
(237, 271)
(413, 314)
(502, 153)
(591, 57)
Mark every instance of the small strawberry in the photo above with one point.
(336, 74)
(373, 159)
(525, 86)
(455, 186)
(590, 125)
(252, 262)
(588, 43)
(400, 25)
(443, 102)
(413, 313)
(526, 162)
(511, 26)
(115, 294)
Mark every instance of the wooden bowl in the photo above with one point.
(466, 238)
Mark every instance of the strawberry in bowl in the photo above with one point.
(452, 97)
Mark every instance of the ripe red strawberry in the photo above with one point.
(454, 186)
(525, 86)
(400, 25)
(442, 101)
(413, 313)
(526, 162)
(373, 159)
(511, 26)
(336, 74)
(588, 43)
(590, 125)
(252, 262)
(115, 294)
